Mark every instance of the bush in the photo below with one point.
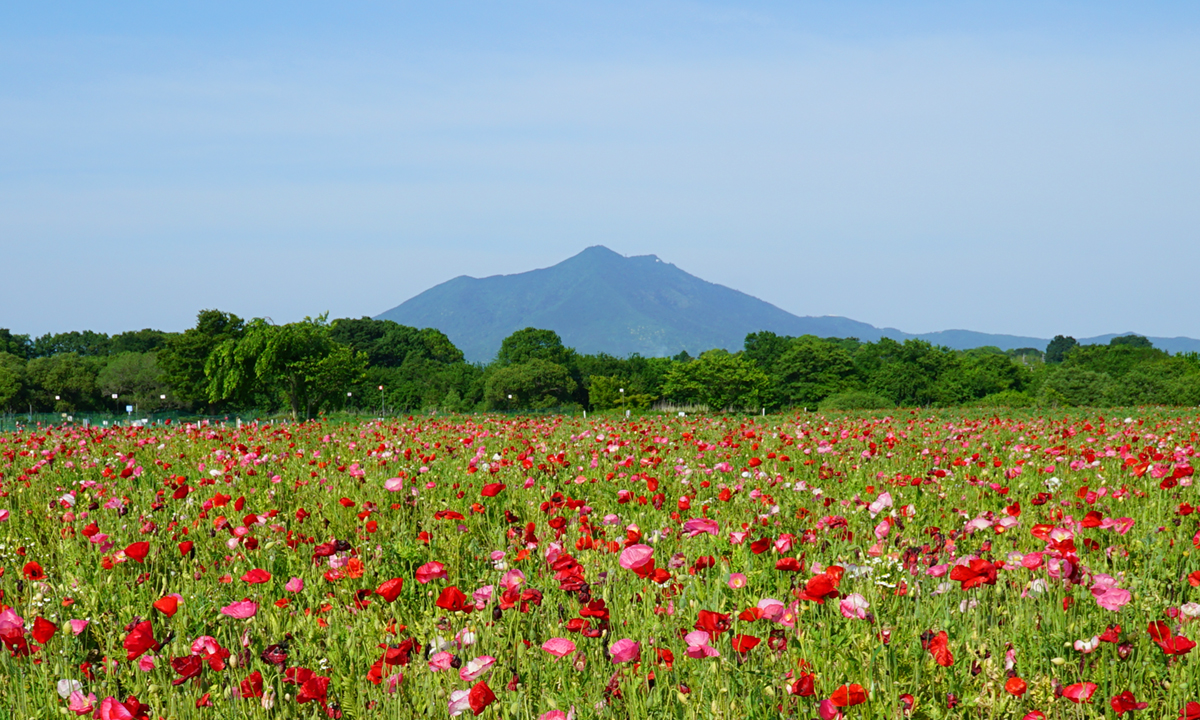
(1005, 399)
(856, 400)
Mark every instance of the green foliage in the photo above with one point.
(389, 344)
(138, 341)
(1074, 386)
(810, 370)
(856, 400)
(533, 343)
(86, 343)
(299, 361)
(18, 345)
(1058, 348)
(1005, 399)
(1134, 341)
(184, 356)
(71, 377)
(718, 379)
(136, 378)
(12, 378)
(531, 385)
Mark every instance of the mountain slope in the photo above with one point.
(600, 301)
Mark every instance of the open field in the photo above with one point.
(920, 564)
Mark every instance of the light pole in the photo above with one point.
(380, 402)
(510, 406)
(348, 396)
(622, 391)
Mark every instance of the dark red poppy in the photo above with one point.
(315, 688)
(187, 667)
(1126, 702)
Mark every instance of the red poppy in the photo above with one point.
(492, 489)
(187, 667)
(168, 605)
(1160, 632)
(138, 551)
(33, 571)
(252, 686)
(480, 697)
(43, 630)
(1079, 692)
(713, 623)
(1190, 711)
(185, 547)
(1125, 702)
(979, 572)
(849, 695)
(451, 599)
(745, 643)
(389, 590)
(315, 688)
(939, 647)
(256, 577)
(139, 640)
(820, 587)
(805, 685)
(1015, 686)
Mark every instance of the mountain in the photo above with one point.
(600, 301)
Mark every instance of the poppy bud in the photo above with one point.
(456, 663)
(497, 613)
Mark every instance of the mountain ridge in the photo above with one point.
(601, 301)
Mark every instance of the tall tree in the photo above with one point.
(18, 345)
(299, 361)
(1058, 348)
(184, 355)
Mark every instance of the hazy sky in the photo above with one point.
(1022, 167)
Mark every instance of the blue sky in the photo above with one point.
(1024, 168)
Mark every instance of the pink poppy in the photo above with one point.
(559, 647)
(240, 610)
(624, 650)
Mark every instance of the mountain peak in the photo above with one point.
(600, 301)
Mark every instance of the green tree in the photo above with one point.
(811, 369)
(390, 344)
(18, 345)
(183, 356)
(1136, 341)
(1058, 348)
(533, 343)
(1075, 386)
(718, 379)
(138, 341)
(136, 378)
(12, 378)
(86, 343)
(298, 361)
(533, 384)
(71, 377)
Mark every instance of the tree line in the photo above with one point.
(225, 364)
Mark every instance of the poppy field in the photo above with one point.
(916, 564)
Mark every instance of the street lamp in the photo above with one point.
(380, 402)
(348, 396)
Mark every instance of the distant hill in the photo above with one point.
(600, 301)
